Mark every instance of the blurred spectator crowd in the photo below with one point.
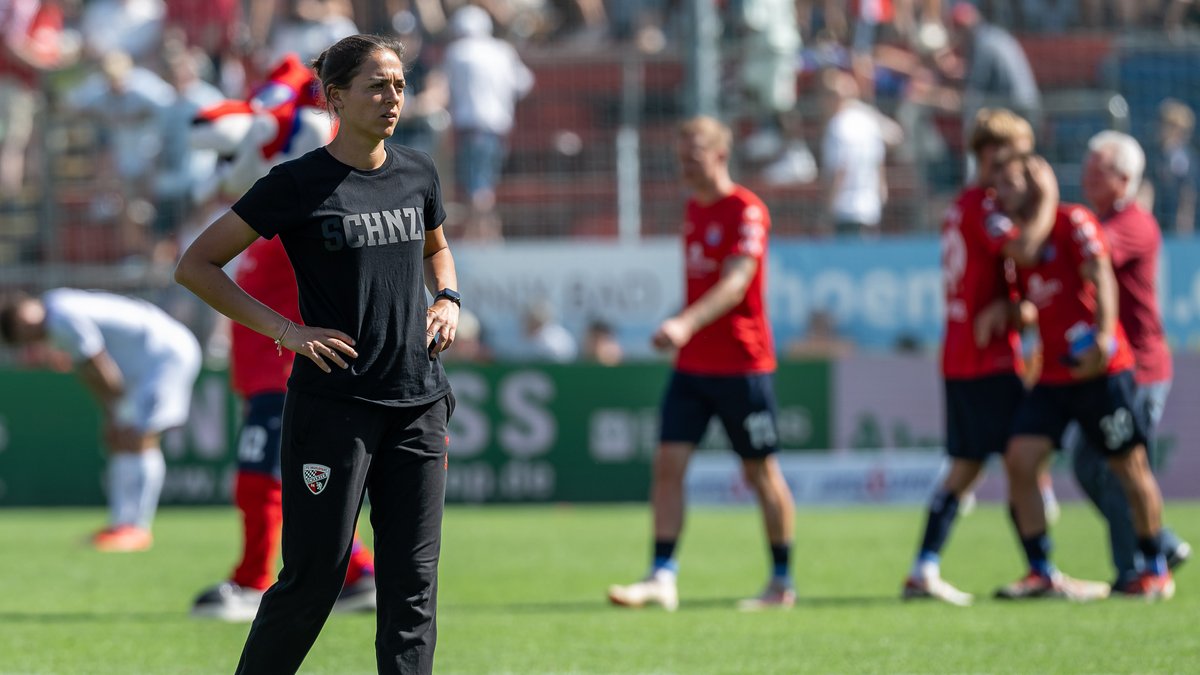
(850, 115)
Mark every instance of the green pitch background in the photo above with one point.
(523, 592)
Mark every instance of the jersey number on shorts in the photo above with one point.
(252, 445)
(1117, 428)
(761, 430)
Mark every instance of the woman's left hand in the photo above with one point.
(441, 322)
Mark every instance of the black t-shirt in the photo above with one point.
(356, 241)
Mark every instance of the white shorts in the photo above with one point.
(162, 398)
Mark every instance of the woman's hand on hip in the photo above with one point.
(320, 344)
(441, 322)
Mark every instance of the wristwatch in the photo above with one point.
(449, 294)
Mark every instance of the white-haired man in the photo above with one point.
(1112, 174)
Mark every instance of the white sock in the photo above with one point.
(154, 472)
(124, 477)
(135, 481)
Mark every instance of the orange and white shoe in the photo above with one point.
(122, 539)
(928, 583)
(777, 595)
(656, 589)
(1057, 585)
(1149, 587)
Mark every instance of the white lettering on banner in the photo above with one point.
(527, 480)
(795, 426)
(893, 478)
(478, 482)
(530, 429)
(613, 435)
(883, 299)
(876, 291)
(618, 435)
(469, 426)
(197, 484)
(636, 291)
(577, 294)
(471, 482)
(632, 287)
(649, 430)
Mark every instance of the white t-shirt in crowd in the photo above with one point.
(853, 145)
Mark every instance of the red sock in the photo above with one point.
(260, 499)
(362, 562)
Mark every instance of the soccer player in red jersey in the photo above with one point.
(259, 375)
(981, 374)
(723, 368)
(1087, 377)
(1112, 172)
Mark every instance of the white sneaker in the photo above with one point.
(1057, 585)
(227, 602)
(928, 583)
(656, 589)
(777, 595)
(796, 166)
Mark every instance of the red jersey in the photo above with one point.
(1063, 298)
(266, 274)
(973, 238)
(740, 342)
(1134, 241)
(33, 26)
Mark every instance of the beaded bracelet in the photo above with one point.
(279, 340)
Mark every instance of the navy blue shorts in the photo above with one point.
(258, 441)
(744, 403)
(979, 415)
(1104, 407)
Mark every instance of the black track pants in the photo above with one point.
(333, 450)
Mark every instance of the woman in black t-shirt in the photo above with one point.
(361, 223)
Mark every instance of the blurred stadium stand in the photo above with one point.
(562, 176)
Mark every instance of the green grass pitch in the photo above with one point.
(522, 591)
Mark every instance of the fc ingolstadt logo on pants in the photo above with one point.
(316, 477)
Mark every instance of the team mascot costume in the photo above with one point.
(282, 119)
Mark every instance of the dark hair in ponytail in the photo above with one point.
(338, 65)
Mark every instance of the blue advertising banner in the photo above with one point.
(879, 295)
(883, 294)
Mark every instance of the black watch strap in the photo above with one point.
(449, 294)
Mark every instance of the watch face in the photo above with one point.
(451, 294)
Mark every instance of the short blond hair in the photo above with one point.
(996, 127)
(709, 130)
(1175, 112)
